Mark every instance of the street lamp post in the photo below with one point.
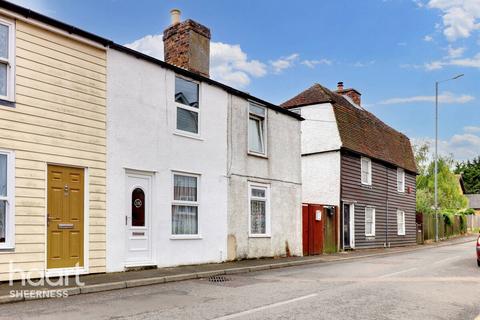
(436, 152)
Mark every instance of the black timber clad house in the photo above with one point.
(378, 202)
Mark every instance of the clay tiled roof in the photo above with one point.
(360, 131)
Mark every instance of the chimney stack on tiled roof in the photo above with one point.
(187, 45)
(350, 92)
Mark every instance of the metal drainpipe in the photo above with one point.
(386, 200)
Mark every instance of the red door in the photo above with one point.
(312, 229)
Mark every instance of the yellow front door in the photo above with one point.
(65, 217)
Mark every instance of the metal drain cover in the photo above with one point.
(218, 279)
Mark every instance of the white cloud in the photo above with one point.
(150, 44)
(313, 63)
(229, 64)
(455, 52)
(360, 64)
(461, 146)
(284, 62)
(460, 17)
(446, 97)
(473, 62)
(471, 129)
(428, 38)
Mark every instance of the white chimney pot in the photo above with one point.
(175, 14)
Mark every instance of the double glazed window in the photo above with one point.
(366, 171)
(259, 210)
(7, 60)
(369, 221)
(187, 101)
(6, 199)
(185, 205)
(400, 222)
(256, 129)
(400, 180)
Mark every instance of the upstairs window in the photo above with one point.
(366, 171)
(400, 180)
(187, 101)
(256, 129)
(6, 199)
(7, 60)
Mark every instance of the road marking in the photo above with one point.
(446, 259)
(268, 306)
(398, 272)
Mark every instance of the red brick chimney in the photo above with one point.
(350, 92)
(187, 45)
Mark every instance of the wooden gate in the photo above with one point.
(319, 229)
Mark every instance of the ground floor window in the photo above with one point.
(259, 207)
(7, 207)
(370, 221)
(400, 222)
(185, 204)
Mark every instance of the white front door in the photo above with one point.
(138, 218)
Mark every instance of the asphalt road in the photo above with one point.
(435, 283)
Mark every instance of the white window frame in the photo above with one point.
(401, 231)
(368, 182)
(264, 127)
(185, 203)
(10, 199)
(400, 180)
(10, 62)
(372, 234)
(266, 187)
(188, 108)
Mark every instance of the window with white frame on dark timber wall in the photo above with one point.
(185, 205)
(400, 222)
(186, 98)
(400, 180)
(369, 221)
(366, 170)
(256, 129)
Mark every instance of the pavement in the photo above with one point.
(430, 282)
(122, 280)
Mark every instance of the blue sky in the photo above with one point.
(392, 51)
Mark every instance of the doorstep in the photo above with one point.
(121, 280)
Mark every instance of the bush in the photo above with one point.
(448, 218)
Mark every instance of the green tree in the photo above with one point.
(449, 195)
(470, 171)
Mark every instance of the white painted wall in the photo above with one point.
(281, 169)
(140, 136)
(321, 178)
(319, 130)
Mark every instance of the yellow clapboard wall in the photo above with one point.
(59, 118)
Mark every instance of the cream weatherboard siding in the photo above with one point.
(59, 117)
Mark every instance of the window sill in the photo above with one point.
(370, 237)
(7, 103)
(259, 155)
(259, 236)
(7, 249)
(186, 237)
(367, 185)
(187, 135)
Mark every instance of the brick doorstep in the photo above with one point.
(121, 280)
